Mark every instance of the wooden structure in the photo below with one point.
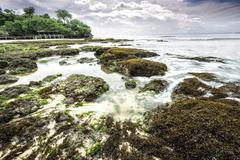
(48, 35)
(39, 35)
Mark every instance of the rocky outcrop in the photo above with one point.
(82, 88)
(156, 86)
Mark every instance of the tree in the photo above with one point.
(63, 15)
(79, 29)
(29, 11)
(45, 15)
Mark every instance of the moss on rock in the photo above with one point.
(205, 76)
(190, 87)
(141, 67)
(130, 84)
(82, 88)
(118, 54)
(156, 86)
(7, 79)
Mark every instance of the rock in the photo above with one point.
(190, 87)
(156, 86)
(19, 107)
(82, 88)
(232, 88)
(205, 76)
(2, 71)
(130, 84)
(100, 51)
(202, 59)
(51, 78)
(3, 64)
(86, 60)
(187, 122)
(90, 48)
(34, 83)
(22, 65)
(141, 67)
(60, 52)
(15, 91)
(63, 62)
(7, 79)
(118, 54)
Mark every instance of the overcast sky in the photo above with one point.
(144, 17)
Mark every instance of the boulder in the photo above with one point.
(7, 79)
(118, 54)
(82, 88)
(130, 84)
(141, 67)
(3, 64)
(22, 65)
(156, 86)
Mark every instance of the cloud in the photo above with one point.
(98, 6)
(127, 17)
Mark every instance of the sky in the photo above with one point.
(109, 18)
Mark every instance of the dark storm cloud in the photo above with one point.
(125, 17)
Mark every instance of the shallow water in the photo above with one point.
(129, 104)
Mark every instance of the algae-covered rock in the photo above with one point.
(191, 87)
(205, 76)
(232, 88)
(2, 71)
(118, 54)
(63, 63)
(86, 60)
(22, 65)
(15, 91)
(198, 129)
(7, 79)
(51, 78)
(60, 52)
(3, 64)
(130, 84)
(156, 86)
(82, 88)
(19, 107)
(141, 67)
(101, 50)
(188, 129)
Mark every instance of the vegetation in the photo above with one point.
(30, 24)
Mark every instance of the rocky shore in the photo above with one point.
(39, 121)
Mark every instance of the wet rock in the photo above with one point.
(3, 64)
(86, 60)
(130, 84)
(82, 88)
(7, 79)
(156, 86)
(202, 59)
(2, 71)
(60, 52)
(118, 54)
(63, 63)
(141, 67)
(22, 65)
(90, 48)
(51, 78)
(205, 76)
(232, 88)
(187, 122)
(100, 51)
(19, 107)
(191, 87)
(34, 83)
(15, 91)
